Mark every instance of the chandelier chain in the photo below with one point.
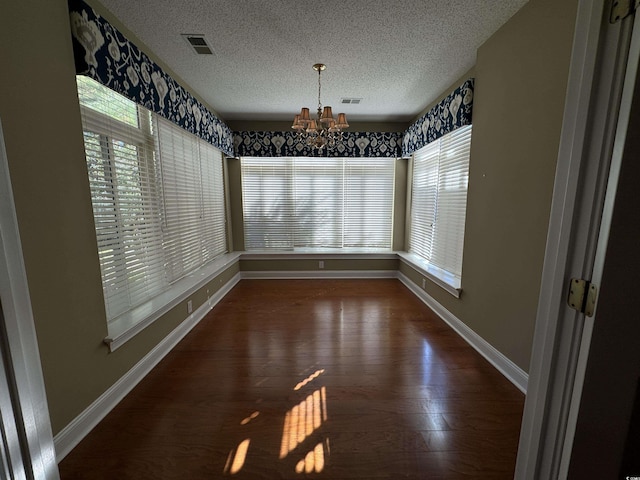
(319, 87)
(323, 131)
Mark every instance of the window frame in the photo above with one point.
(124, 324)
(442, 231)
(293, 178)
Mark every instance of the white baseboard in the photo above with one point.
(300, 274)
(510, 370)
(73, 433)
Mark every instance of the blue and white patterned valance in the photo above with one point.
(451, 113)
(104, 54)
(284, 144)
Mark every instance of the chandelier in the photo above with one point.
(323, 131)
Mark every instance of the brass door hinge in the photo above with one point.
(621, 9)
(582, 296)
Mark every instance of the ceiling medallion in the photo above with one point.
(324, 131)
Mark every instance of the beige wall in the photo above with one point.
(522, 68)
(521, 78)
(312, 265)
(399, 204)
(41, 120)
(235, 200)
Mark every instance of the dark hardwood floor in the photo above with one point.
(331, 379)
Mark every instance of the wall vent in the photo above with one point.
(198, 43)
(350, 100)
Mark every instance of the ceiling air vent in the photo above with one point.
(198, 43)
(351, 100)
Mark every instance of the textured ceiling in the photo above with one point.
(398, 56)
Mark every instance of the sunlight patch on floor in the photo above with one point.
(236, 458)
(314, 460)
(302, 420)
(310, 378)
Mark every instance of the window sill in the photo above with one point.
(440, 277)
(126, 326)
(320, 253)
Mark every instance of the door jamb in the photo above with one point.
(594, 91)
(36, 439)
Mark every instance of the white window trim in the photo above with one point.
(165, 293)
(440, 277)
(436, 152)
(129, 324)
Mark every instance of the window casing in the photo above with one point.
(157, 194)
(438, 203)
(317, 203)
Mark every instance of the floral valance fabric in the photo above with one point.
(285, 144)
(451, 113)
(104, 54)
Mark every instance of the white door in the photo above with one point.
(601, 84)
(606, 443)
(12, 463)
(26, 442)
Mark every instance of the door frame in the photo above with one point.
(31, 442)
(586, 176)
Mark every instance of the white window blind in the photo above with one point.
(193, 209)
(319, 202)
(158, 203)
(368, 210)
(300, 202)
(121, 167)
(268, 203)
(439, 200)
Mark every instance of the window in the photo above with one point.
(439, 202)
(157, 194)
(305, 202)
(193, 204)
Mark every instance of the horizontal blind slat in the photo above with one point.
(438, 201)
(136, 203)
(309, 202)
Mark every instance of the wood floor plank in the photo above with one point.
(335, 379)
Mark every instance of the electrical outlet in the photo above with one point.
(321, 264)
(190, 306)
(424, 283)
